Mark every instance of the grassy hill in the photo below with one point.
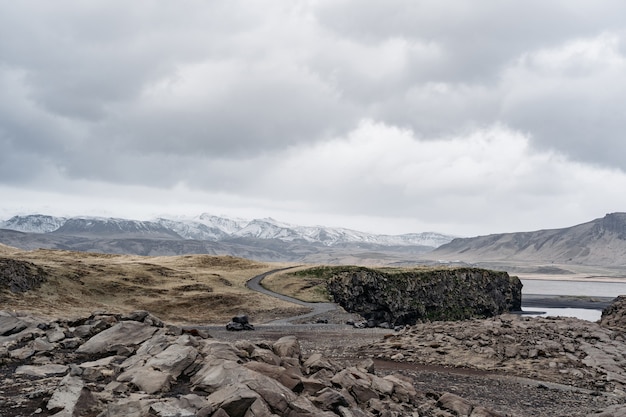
(181, 289)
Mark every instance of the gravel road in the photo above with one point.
(316, 308)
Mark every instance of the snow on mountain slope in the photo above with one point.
(268, 229)
(193, 230)
(330, 236)
(226, 224)
(96, 226)
(208, 227)
(34, 223)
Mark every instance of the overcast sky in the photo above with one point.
(393, 116)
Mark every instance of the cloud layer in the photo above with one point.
(466, 119)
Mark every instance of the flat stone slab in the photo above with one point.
(10, 325)
(42, 370)
(126, 333)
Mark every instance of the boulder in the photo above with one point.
(330, 399)
(217, 373)
(147, 380)
(165, 409)
(42, 370)
(235, 399)
(286, 377)
(451, 402)
(265, 355)
(126, 333)
(287, 347)
(174, 359)
(70, 397)
(239, 323)
(10, 325)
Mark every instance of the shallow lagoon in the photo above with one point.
(570, 288)
(581, 313)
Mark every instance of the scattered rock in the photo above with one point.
(136, 366)
(562, 350)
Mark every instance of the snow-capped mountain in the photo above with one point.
(226, 224)
(34, 223)
(193, 230)
(207, 227)
(269, 229)
(330, 236)
(96, 226)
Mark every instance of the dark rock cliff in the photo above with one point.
(407, 297)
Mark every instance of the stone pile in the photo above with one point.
(134, 365)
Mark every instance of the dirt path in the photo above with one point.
(316, 308)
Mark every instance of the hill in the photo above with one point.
(191, 289)
(598, 243)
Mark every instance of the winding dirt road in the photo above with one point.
(316, 308)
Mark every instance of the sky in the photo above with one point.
(395, 116)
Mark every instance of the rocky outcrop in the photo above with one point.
(614, 316)
(407, 297)
(20, 276)
(134, 365)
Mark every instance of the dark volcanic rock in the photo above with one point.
(614, 316)
(20, 276)
(425, 294)
(238, 323)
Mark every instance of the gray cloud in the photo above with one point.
(461, 85)
(231, 97)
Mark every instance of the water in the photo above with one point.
(573, 288)
(580, 313)
(584, 288)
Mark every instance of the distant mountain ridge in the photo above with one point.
(598, 242)
(212, 228)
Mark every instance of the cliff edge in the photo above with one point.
(407, 297)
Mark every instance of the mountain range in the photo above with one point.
(259, 239)
(598, 243)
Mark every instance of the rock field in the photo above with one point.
(135, 365)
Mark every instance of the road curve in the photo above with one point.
(316, 308)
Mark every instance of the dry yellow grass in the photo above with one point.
(304, 287)
(4, 249)
(180, 289)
